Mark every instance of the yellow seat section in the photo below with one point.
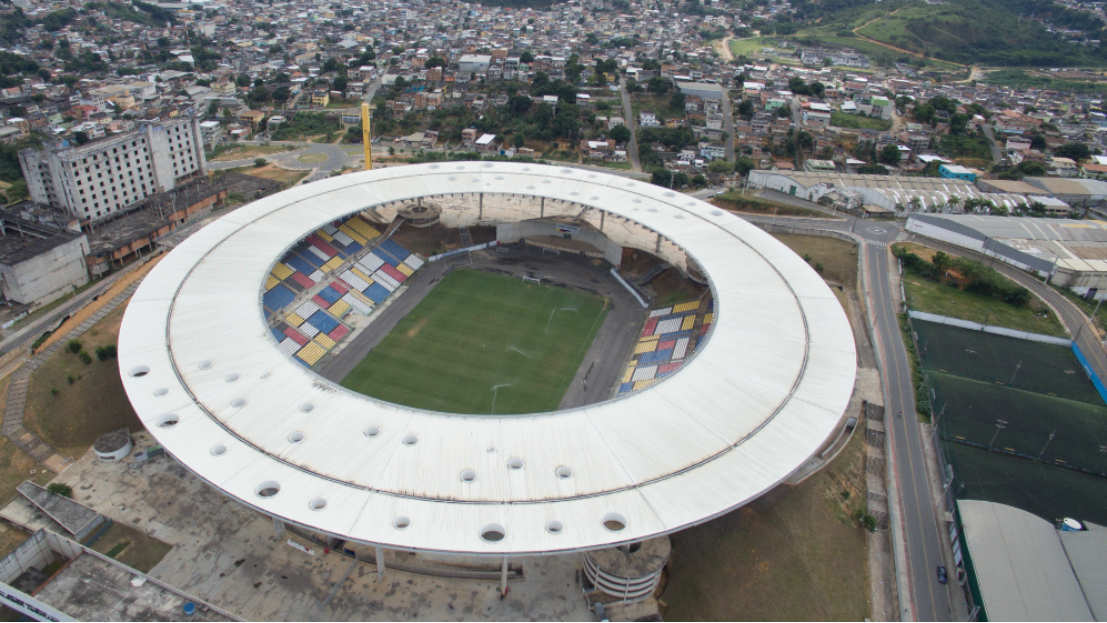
(311, 353)
(645, 347)
(332, 264)
(294, 320)
(324, 235)
(339, 309)
(270, 282)
(644, 384)
(357, 271)
(689, 322)
(362, 227)
(709, 318)
(325, 340)
(282, 271)
(405, 269)
(629, 375)
(686, 307)
(349, 231)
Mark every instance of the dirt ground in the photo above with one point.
(795, 554)
(838, 257)
(71, 415)
(131, 547)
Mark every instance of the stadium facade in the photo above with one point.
(764, 394)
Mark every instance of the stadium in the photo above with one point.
(225, 349)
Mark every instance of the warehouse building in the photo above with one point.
(1072, 254)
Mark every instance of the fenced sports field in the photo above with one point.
(483, 343)
(1020, 422)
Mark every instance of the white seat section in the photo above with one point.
(357, 304)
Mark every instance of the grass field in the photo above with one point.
(838, 257)
(1029, 366)
(70, 416)
(945, 300)
(795, 554)
(843, 120)
(1048, 492)
(974, 407)
(735, 202)
(483, 343)
(273, 172)
(236, 151)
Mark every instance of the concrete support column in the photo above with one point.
(278, 528)
(503, 576)
(480, 214)
(657, 246)
(380, 562)
(602, 214)
(542, 208)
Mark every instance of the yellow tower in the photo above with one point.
(366, 136)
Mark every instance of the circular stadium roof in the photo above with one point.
(756, 402)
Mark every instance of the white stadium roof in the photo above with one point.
(762, 395)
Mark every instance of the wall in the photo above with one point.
(48, 276)
(507, 233)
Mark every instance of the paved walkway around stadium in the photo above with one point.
(612, 345)
(229, 555)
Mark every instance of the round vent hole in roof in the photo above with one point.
(268, 489)
(493, 533)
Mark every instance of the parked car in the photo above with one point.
(943, 577)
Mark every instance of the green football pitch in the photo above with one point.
(483, 343)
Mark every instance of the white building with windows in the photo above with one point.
(105, 176)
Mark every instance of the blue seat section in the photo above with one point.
(299, 263)
(394, 249)
(388, 259)
(278, 297)
(626, 387)
(656, 356)
(323, 321)
(353, 249)
(278, 335)
(329, 295)
(301, 249)
(377, 293)
(675, 335)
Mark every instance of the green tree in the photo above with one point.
(620, 133)
(890, 155)
(1075, 151)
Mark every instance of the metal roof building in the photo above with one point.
(1027, 570)
(765, 393)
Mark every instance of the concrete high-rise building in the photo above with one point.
(105, 176)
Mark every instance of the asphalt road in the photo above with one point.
(628, 119)
(728, 125)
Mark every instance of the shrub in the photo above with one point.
(259, 162)
(72, 379)
(104, 352)
(41, 339)
(53, 391)
(74, 346)
(84, 357)
(60, 489)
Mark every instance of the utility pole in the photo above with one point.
(367, 135)
(1016, 372)
(1046, 444)
(1000, 425)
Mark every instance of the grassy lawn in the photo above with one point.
(71, 418)
(131, 547)
(938, 298)
(749, 47)
(838, 257)
(273, 172)
(241, 152)
(795, 554)
(313, 158)
(735, 202)
(478, 332)
(657, 104)
(843, 120)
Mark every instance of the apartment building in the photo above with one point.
(105, 176)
